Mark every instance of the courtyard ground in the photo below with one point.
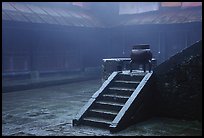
(49, 112)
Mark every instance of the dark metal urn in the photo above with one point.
(141, 54)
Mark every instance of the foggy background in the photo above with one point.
(76, 36)
(52, 64)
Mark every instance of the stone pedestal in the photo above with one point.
(118, 64)
(114, 64)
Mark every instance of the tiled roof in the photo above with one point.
(165, 16)
(28, 12)
(25, 12)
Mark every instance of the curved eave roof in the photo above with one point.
(170, 16)
(25, 12)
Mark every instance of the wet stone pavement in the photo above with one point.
(49, 112)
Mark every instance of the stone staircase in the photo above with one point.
(103, 108)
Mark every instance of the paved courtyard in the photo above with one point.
(49, 111)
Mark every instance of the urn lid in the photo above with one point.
(141, 46)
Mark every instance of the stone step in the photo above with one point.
(125, 84)
(121, 89)
(116, 91)
(109, 105)
(125, 81)
(105, 111)
(102, 113)
(130, 78)
(97, 122)
(134, 73)
(115, 98)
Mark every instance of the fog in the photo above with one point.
(70, 67)
(74, 36)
